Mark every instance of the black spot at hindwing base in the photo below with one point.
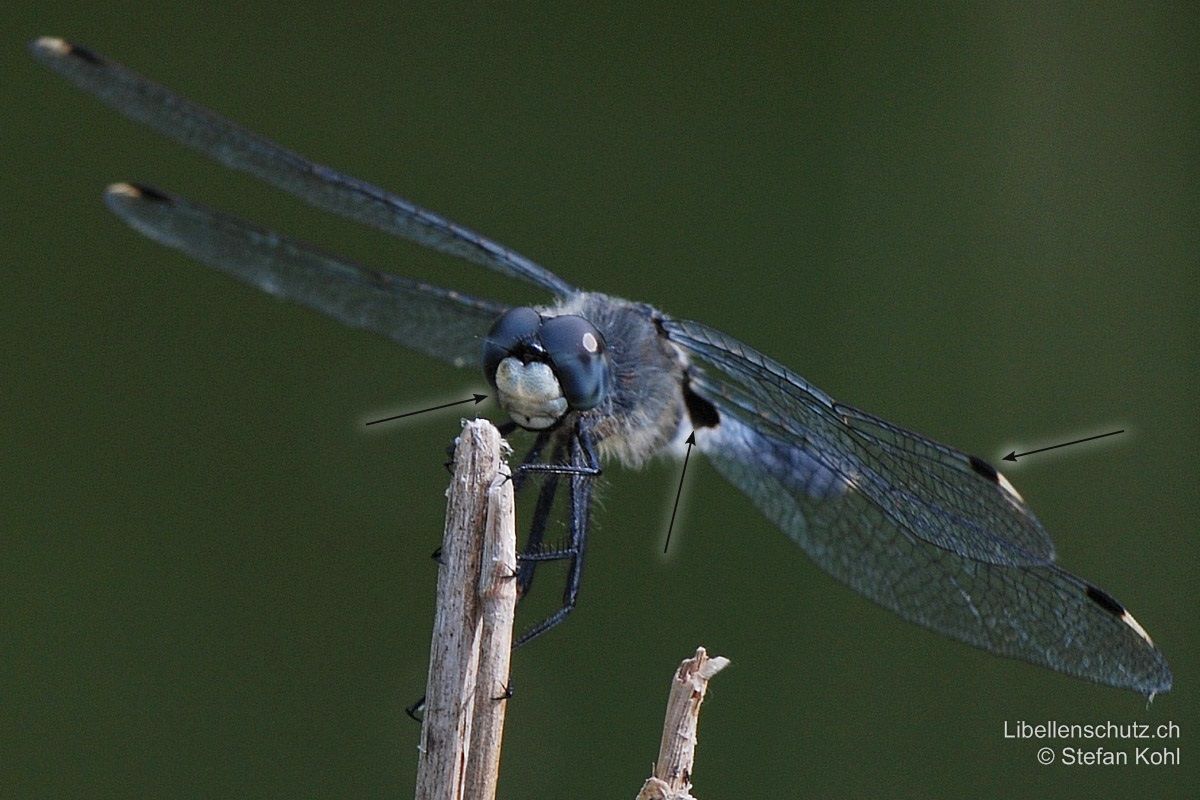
(702, 413)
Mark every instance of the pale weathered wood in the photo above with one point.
(498, 603)
(672, 779)
(454, 656)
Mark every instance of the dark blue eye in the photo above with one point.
(576, 351)
(515, 327)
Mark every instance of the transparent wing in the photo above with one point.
(232, 145)
(931, 533)
(934, 493)
(438, 322)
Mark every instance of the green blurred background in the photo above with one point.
(977, 221)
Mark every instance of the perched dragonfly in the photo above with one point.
(935, 535)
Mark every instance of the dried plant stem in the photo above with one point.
(672, 779)
(472, 634)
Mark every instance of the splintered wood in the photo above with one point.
(672, 779)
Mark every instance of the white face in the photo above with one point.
(530, 393)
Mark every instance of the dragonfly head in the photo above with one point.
(543, 367)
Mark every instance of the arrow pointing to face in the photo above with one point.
(476, 399)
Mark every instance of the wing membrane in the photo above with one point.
(933, 492)
(233, 146)
(920, 528)
(438, 322)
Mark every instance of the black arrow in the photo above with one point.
(1014, 455)
(691, 442)
(476, 399)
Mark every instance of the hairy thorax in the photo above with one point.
(642, 413)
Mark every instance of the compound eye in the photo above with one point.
(515, 326)
(576, 350)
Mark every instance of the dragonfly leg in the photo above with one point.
(532, 554)
(416, 710)
(531, 457)
(579, 502)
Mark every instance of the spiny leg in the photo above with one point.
(579, 508)
(528, 561)
(584, 462)
(533, 553)
(531, 457)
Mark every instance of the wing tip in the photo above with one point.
(124, 193)
(123, 189)
(1161, 683)
(1162, 680)
(1128, 619)
(50, 45)
(55, 47)
(981, 467)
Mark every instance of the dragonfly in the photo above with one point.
(935, 535)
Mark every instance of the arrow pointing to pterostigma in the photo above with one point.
(1014, 455)
(476, 399)
(691, 442)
